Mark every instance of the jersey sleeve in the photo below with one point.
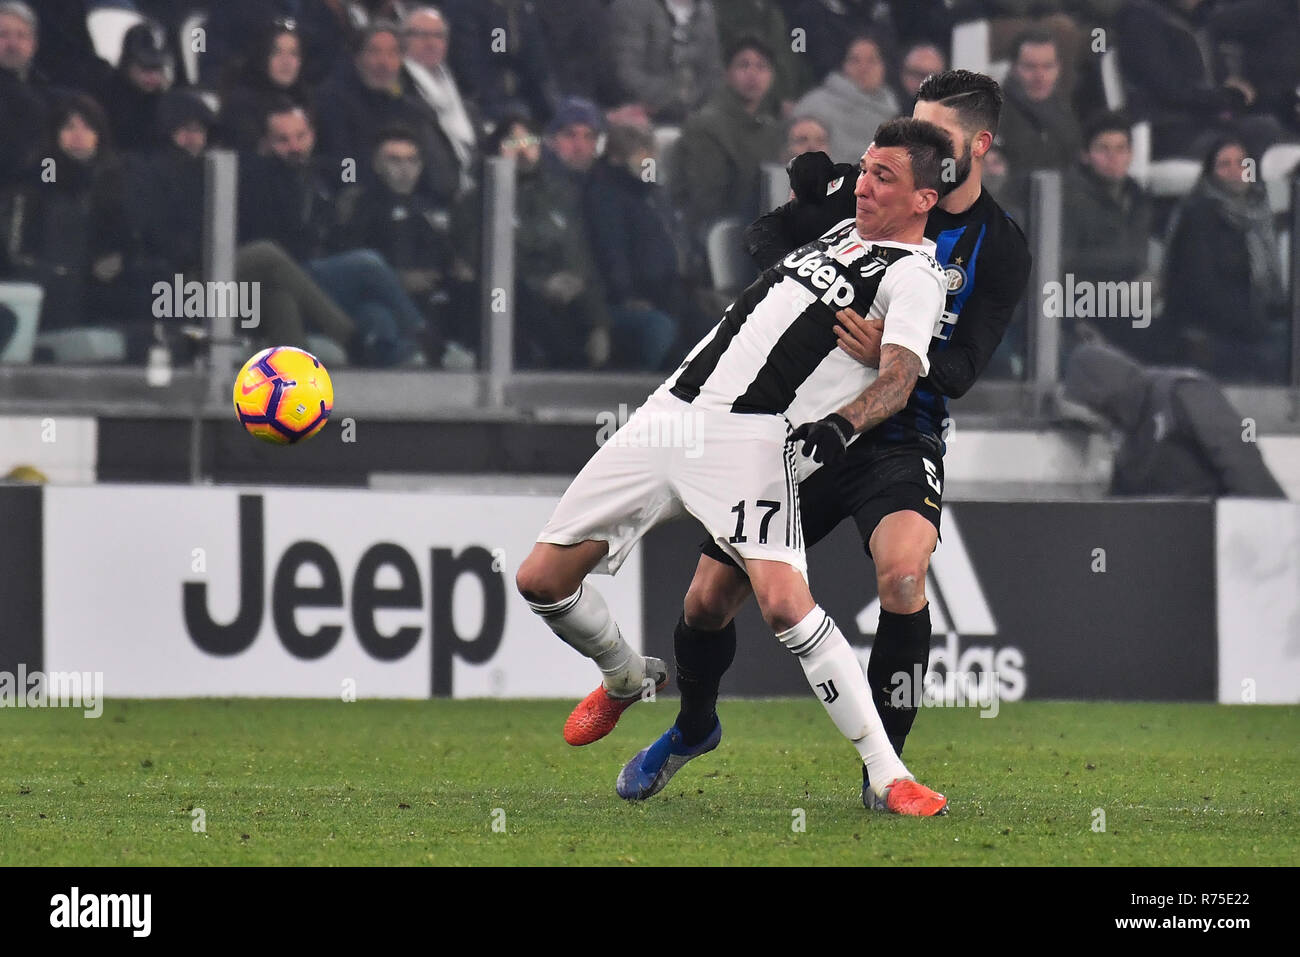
(914, 300)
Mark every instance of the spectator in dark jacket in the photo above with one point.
(24, 94)
(763, 19)
(560, 316)
(272, 70)
(1179, 435)
(1170, 76)
(429, 77)
(577, 44)
(1038, 128)
(1224, 292)
(501, 56)
(1107, 221)
(628, 220)
(724, 145)
(288, 196)
(231, 23)
(66, 55)
(67, 231)
(666, 54)
(144, 74)
(366, 95)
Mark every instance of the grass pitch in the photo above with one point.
(492, 782)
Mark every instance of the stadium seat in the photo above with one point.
(970, 46)
(729, 264)
(24, 298)
(326, 350)
(1112, 81)
(89, 344)
(189, 56)
(1284, 253)
(1161, 178)
(1275, 168)
(108, 26)
(666, 138)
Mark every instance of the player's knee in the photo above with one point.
(901, 583)
(782, 611)
(711, 603)
(538, 583)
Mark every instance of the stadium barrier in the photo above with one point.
(176, 591)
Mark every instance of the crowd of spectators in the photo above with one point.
(362, 127)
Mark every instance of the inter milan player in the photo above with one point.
(890, 479)
(771, 362)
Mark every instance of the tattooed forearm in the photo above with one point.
(899, 368)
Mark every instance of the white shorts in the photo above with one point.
(735, 473)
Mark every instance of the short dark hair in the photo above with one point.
(976, 97)
(928, 148)
(285, 104)
(745, 42)
(1107, 121)
(1033, 38)
(400, 134)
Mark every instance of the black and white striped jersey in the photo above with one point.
(775, 349)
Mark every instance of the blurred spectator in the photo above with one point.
(629, 223)
(66, 55)
(560, 319)
(723, 146)
(806, 134)
(1267, 36)
(143, 75)
(1170, 76)
(578, 45)
(428, 36)
(67, 232)
(763, 19)
(1107, 221)
(854, 100)
(827, 26)
(1038, 129)
(500, 56)
(288, 196)
(919, 61)
(24, 94)
(271, 70)
(411, 230)
(1224, 294)
(320, 23)
(666, 55)
(366, 95)
(1179, 434)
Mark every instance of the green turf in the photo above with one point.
(318, 782)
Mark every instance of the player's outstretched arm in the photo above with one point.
(827, 439)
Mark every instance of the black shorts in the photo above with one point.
(873, 480)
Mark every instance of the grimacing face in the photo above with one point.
(887, 197)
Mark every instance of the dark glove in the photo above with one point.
(810, 174)
(826, 439)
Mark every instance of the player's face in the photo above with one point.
(948, 120)
(1109, 155)
(380, 62)
(17, 43)
(285, 61)
(886, 195)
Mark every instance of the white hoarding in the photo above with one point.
(1258, 560)
(174, 592)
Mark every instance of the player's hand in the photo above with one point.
(859, 337)
(810, 174)
(824, 440)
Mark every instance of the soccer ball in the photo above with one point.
(283, 395)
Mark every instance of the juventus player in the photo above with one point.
(770, 362)
(890, 481)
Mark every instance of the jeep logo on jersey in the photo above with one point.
(823, 275)
(958, 607)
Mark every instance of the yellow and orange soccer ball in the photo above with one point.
(283, 395)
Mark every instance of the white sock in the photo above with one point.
(583, 621)
(833, 671)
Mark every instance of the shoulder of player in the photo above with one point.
(908, 257)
